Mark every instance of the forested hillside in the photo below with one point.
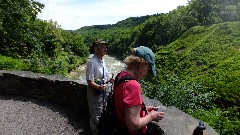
(196, 46)
(209, 55)
(200, 73)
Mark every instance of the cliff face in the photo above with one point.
(72, 93)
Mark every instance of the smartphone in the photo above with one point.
(161, 109)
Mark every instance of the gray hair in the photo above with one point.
(133, 61)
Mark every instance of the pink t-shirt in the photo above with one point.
(128, 93)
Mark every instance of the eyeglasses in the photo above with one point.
(102, 46)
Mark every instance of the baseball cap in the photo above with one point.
(148, 55)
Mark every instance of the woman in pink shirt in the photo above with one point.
(130, 110)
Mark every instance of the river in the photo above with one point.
(114, 66)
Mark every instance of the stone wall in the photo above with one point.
(62, 90)
(72, 93)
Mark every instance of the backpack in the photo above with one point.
(107, 122)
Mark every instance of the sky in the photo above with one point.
(74, 14)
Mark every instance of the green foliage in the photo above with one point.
(219, 119)
(166, 28)
(132, 21)
(62, 64)
(38, 43)
(73, 42)
(8, 63)
(206, 57)
(176, 92)
(15, 17)
(213, 58)
(214, 11)
(120, 39)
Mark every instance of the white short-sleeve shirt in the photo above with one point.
(96, 68)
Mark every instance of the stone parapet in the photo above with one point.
(62, 90)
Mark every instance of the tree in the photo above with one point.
(15, 16)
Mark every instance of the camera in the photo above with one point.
(99, 82)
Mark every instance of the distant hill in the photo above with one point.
(133, 21)
(96, 27)
(208, 55)
(126, 23)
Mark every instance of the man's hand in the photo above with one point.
(102, 87)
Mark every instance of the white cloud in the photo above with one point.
(74, 14)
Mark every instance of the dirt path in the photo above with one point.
(26, 116)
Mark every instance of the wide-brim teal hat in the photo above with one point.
(148, 55)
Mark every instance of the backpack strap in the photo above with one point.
(123, 78)
(116, 83)
(145, 108)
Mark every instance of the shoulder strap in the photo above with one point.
(123, 78)
(117, 82)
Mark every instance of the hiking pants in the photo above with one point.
(95, 105)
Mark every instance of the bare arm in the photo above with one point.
(135, 122)
(95, 86)
(133, 119)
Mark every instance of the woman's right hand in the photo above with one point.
(157, 116)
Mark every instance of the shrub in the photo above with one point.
(9, 63)
(182, 94)
(219, 120)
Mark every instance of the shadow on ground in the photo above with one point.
(30, 116)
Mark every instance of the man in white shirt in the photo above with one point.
(96, 76)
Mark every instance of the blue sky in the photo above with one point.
(74, 14)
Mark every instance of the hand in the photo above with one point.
(102, 87)
(150, 108)
(157, 116)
